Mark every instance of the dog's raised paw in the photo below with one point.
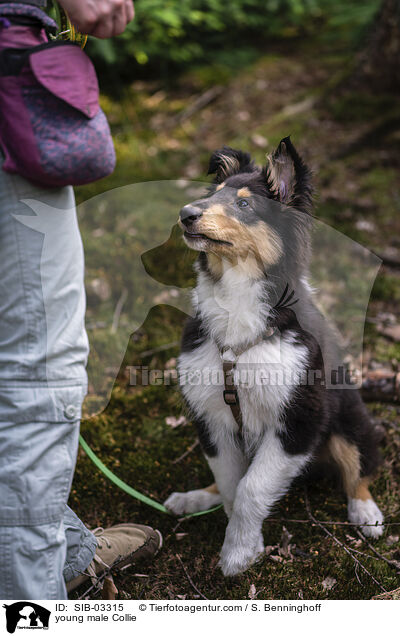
(180, 503)
(366, 512)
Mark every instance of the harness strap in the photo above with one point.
(229, 358)
(231, 397)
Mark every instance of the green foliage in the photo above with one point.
(175, 33)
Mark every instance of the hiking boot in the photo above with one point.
(118, 548)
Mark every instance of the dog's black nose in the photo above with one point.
(189, 214)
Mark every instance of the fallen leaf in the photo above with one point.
(367, 226)
(100, 288)
(171, 363)
(386, 317)
(109, 590)
(276, 558)
(392, 332)
(252, 592)
(391, 539)
(270, 548)
(355, 542)
(329, 583)
(173, 421)
(285, 545)
(392, 595)
(165, 296)
(259, 140)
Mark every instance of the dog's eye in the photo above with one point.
(242, 203)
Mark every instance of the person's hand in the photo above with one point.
(101, 18)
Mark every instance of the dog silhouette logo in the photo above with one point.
(26, 615)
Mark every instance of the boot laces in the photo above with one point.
(91, 568)
(101, 539)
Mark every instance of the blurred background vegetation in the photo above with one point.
(186, 78)
(168, 36)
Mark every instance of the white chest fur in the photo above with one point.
(235, 309)
(234, 312)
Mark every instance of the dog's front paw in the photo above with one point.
(180, 503)
(363, 512)
(238, 558)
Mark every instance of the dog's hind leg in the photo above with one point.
(362, 509)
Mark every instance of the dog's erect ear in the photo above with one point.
(289, 177)
(227, 162)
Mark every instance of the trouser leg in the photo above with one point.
(37, 462)
(43, 351)
(81, 545)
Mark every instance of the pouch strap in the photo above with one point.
(36, 3)
(20, 12)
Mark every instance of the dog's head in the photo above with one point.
(259, 215)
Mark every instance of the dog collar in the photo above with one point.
(231, 354)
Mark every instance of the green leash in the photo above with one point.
(128, 489)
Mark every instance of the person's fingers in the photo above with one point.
(113, 24)
(103, 29)
(100, 18)
(82, 25)
(119, 20)
(130, 10)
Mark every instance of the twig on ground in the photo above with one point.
(186, 453)
(340, 544)
(364, 554)
(350, 524)
(199, 103)
(190, 580)
(356, 572)
(381, 385)
(175, 528)
(329, 523)
(164, 347)
(389, 260)
(367, 140)
(99, 582)
(118, 310)
(392, 595)
(391, 562)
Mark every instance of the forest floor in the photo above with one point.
(168, 134)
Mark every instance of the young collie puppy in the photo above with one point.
(259, 367)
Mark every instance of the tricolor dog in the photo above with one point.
(259, 367)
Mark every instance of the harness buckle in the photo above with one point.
(231, 397)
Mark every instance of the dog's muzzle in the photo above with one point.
(189, 214)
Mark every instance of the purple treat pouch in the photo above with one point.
(52, 129)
